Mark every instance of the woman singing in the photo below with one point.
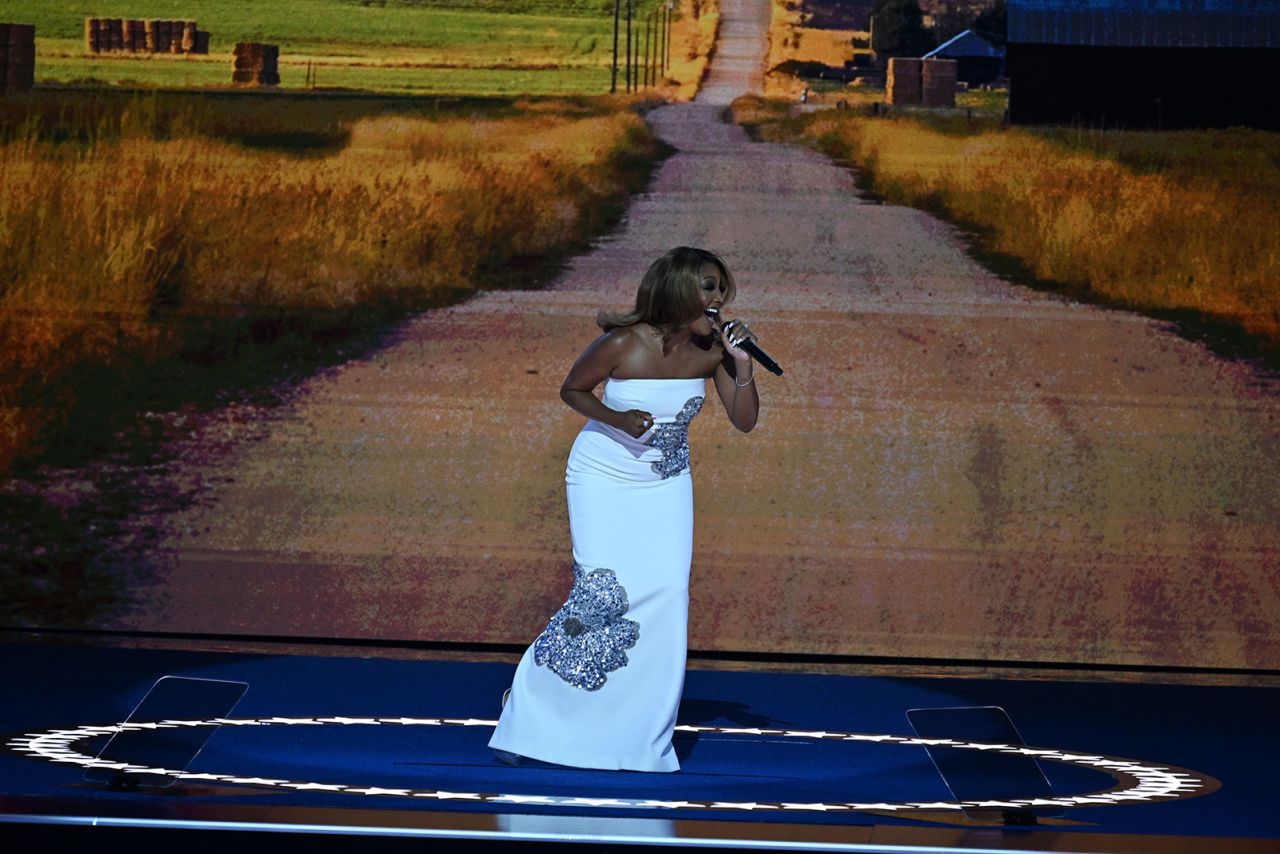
(599, 688)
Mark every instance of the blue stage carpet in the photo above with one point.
(414, 737)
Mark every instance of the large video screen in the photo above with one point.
(386, 320)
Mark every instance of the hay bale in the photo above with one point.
(149, 33)
(249, 49)
(202, 42)
(163, 34)
(21, 34)
(18, 70)
(188, 36)
(248, 56)
(255, 63)
(130, 34)
(20, 45)
(19, 78)
(175, 37)
(270, 74)
(115, 34)
(90, 35)
(938, 78)
(904, 81)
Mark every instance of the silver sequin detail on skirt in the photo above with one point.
(588, 637)
(673, 440)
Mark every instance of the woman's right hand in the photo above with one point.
(635, 422)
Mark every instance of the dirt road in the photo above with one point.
(953, 466)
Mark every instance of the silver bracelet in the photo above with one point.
(749, 381)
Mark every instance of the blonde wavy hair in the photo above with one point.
(670, 294)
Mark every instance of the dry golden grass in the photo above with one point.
(693, 35)
(1161, 222)
(117, 245)
(791, 41)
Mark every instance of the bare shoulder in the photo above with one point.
(633, 346)
(621, 342)
(610, 351)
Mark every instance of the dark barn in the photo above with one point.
(1144, 63)
(977, 60)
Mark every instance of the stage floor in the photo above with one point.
(388, 746)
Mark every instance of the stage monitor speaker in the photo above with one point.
(990, 777)
(172, 698)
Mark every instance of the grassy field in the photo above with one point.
(161, 229)
(335, 73)
(549, 47)
(1176, 224)
(186, 236)
(790, 42)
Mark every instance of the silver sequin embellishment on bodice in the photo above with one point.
(673, 440)
(588, 637)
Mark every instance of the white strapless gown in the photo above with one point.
(600, 687)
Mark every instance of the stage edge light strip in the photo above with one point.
(1136, 781)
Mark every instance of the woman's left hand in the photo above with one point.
(732, 334)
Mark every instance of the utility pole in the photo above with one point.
(662, 40)
(657, 43)
(639, 42)
(667, 61)
(653, 50)
(657, 23)
(648, 21)
(613, 80)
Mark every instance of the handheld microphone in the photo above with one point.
(752, 348)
